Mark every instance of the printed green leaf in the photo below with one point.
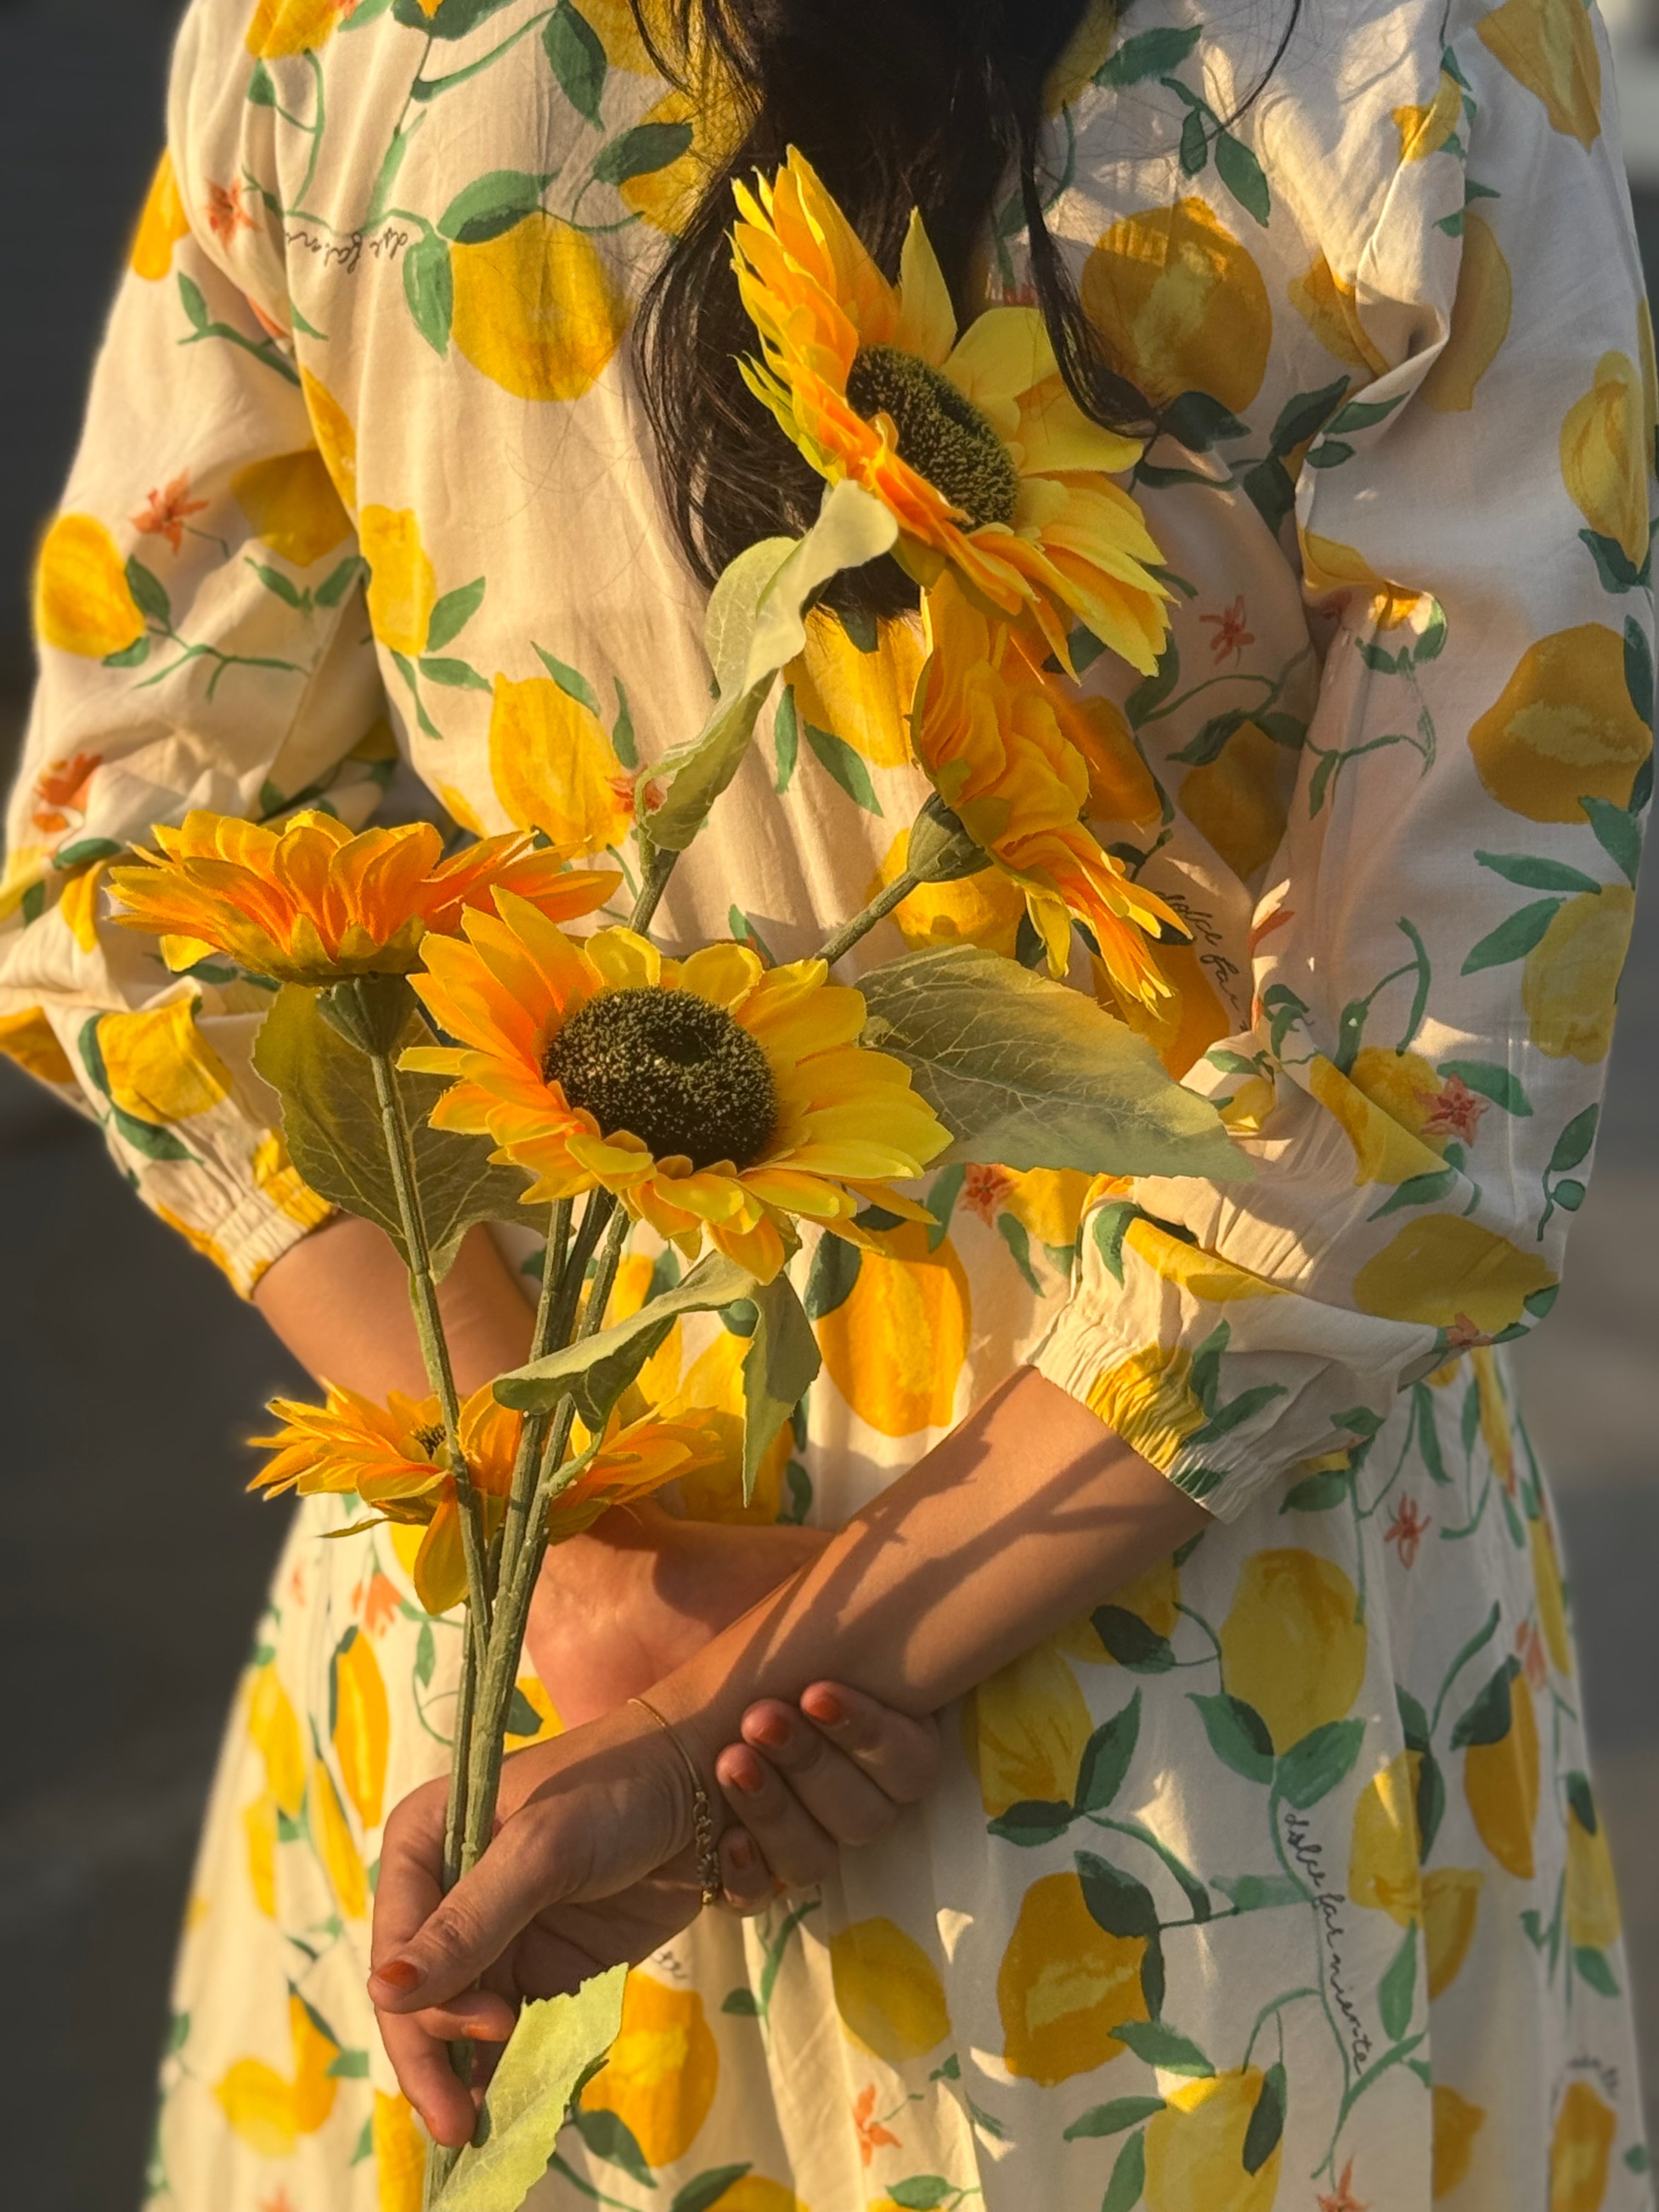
(785, 738)
(1573, 1145)
(570, 681)
(426, 1655)
(1312, 1769)
(1238, 1736)
(1514, 939)
(1149, 53)
(838, 758)
(491, 204)
(1025, 1071)
(1535, 871)
(1361, 414)
(1155, 2045)
(1617, 834)
(347, 2066)
(553, 2046)
(1397, 1991)
(1198, 421)
(451, 19)
(1428, 1436)
(147, 1138)
(1318, 1494)
(454, 675)
(1109, 1225)
(1303, 417)
(335, 586)
(452, 613)
(1116, 1901)
(1213, 737)
(134, 656)
(1592, 1967)
(1486, 1718)
(1152, 691)
(1268, 488)
(1617, 571)
(1128, 2178)
(577, 56)
(779, 1368)
(609, 2136)
(1132, 1642)
(84, 852)
(1377, 658)
(830, 1278)
(1267, 2120)
(1106, 1758)
(1239, 170)
(1032, 1820)
(1112, 2118)
(705, 2190)
(741, 2004)
(1259, 1893)
(429, 290)
(1416, 1190)
(150, 593)
(1195, 142)
(1490, 1081)
(1638, 669)
(332, 1124)
(641, 152)
(1330, 454)
(261, 88)
(921, 2192)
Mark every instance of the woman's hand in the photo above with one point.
(616, 1609)
(591, 1865)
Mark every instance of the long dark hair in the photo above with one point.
(935, 104)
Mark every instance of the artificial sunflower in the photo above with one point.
(971, 442)
(1003, 746)
(395, 1458)
(312, 903)
(711, 1094)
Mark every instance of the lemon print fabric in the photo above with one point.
(1274, 1876)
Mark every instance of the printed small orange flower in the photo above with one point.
(60, 790)
(1407, 1529)
(1342, 2199)
(1003, 743)
(1454, 1111)
(712, 1095)
(227, 211)
(873, 2135)
(971, 442)
(1231, 635)
(395, 1458)
(166, 513)
(312, 904)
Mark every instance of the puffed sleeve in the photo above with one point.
(204, 643)
(1437, 951)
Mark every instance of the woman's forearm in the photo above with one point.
(1029, 1513)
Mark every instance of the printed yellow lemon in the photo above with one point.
(1404, 1085)
(668, 196)
(888, 1991)
(160, 226)
(30, 1039)
(269, 2112)
(1239, 800)
(1382, 1864)
(983, 909)
(1451, 1907)
(1457, 2124)
(1148, 1399)
(1570, 982)
(1387, 1148)
(1181, 1028)
(660, 2077)
(82, 601)
(555, 769)
(362, 1728)
(1204, 1274)
(281, 28)
(403, 589)
(1500, 1782)
(1065, 1986)
(1480, 321)
(1151, 1598)
(1441, 1267)
(1293, 1645)
(1552, 1598)
(1024, 1730)
(1330, 565)
(1593, 1918)
(336, 441)
(1645, 353)
(400, 2155)
(1549, 47)
(159, 1065)
(894, 1345)
(1329, 307)
(1195, 2148)
(1563, 728)
(1180, 305)
(259, 1840)
(537, 311)
(273, 1729)
(1580, 2149)
(1605, 456)
(292, 504)
(1424, 129)
(753, 2193)
(331, 1832)
(863, 698)
(1048, 1202)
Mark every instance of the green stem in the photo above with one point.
(542, 1341)
(861, 923)
(658, 871)
(429, 1325)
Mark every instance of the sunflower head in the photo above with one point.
(312, 903)
(713, 1095)
(970, 438)
(995, 731)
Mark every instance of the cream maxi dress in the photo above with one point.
(1277, 1881)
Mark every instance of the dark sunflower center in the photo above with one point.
(673, 1069)
(943, 436)
(429, 1439)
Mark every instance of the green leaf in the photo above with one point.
(1152, 691)
(1514, 939)
(785, 738)
(1130, 1641)
(1303, 417)
(1416, 1190)
(1198, 421)
(1236, 1412)
(1330, 454)
(834, 754)
(1269, 490)
(1155, 2045)
(609, 2136)
(1487, 1717)
(1149, 53)
(1195, 142)
(347, 2066)
(195, 306)
(1582, 1799)
(332, 1124)
(922, 2192)
(451, 19)
(1032, 1820)
(1267, 2120)
(426, 1655)
(1638, 669)
(1112, 2118)
(1361, 414)
(1106, 1758)
(573, 47)
(1617, 834)
(755, 625)
(1535, 873)
(570, 681)
(1375, 658)
(429, 290)
(1028, 1073)
(596, 1371)
(1397, 1991)
(779, 1368)
(641, 152)
(522, 1718)
(1311, 1769)
(452, 613)
(491, 204)
(1318, 1494)
(1431, 1802)
(1573, 1145)
(1128, 2178)
(552, 2047)
(704, 2190)
(1569, 1195)
(1617, 571)
(146, 1136)
(150, 593)
(261, 88)
(1239, 170)
(454, 675)
(134, 656)
(1212, 739)
(741, 2004)
(1116, 1901)
(334, 588)
(1238, 1735)
(84, 851)
(1428, 1443)
(1490, 1081)
(1110, 1225)
(833, 1271)
(1259, 1893)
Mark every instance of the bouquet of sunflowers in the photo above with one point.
(448, 1052)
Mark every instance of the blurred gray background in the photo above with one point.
(132, 1565)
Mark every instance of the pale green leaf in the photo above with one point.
(554, 2045)
(778, 1368)
(1031, 1074)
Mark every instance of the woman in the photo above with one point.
(1264, 1867)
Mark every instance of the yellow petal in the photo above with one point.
(926, 323)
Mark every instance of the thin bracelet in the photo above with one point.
(702, 1819)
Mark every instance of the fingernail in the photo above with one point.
(399, 1974)
(823, 1705)
(742, 1854)
(772, 1730)
(749, 1776)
